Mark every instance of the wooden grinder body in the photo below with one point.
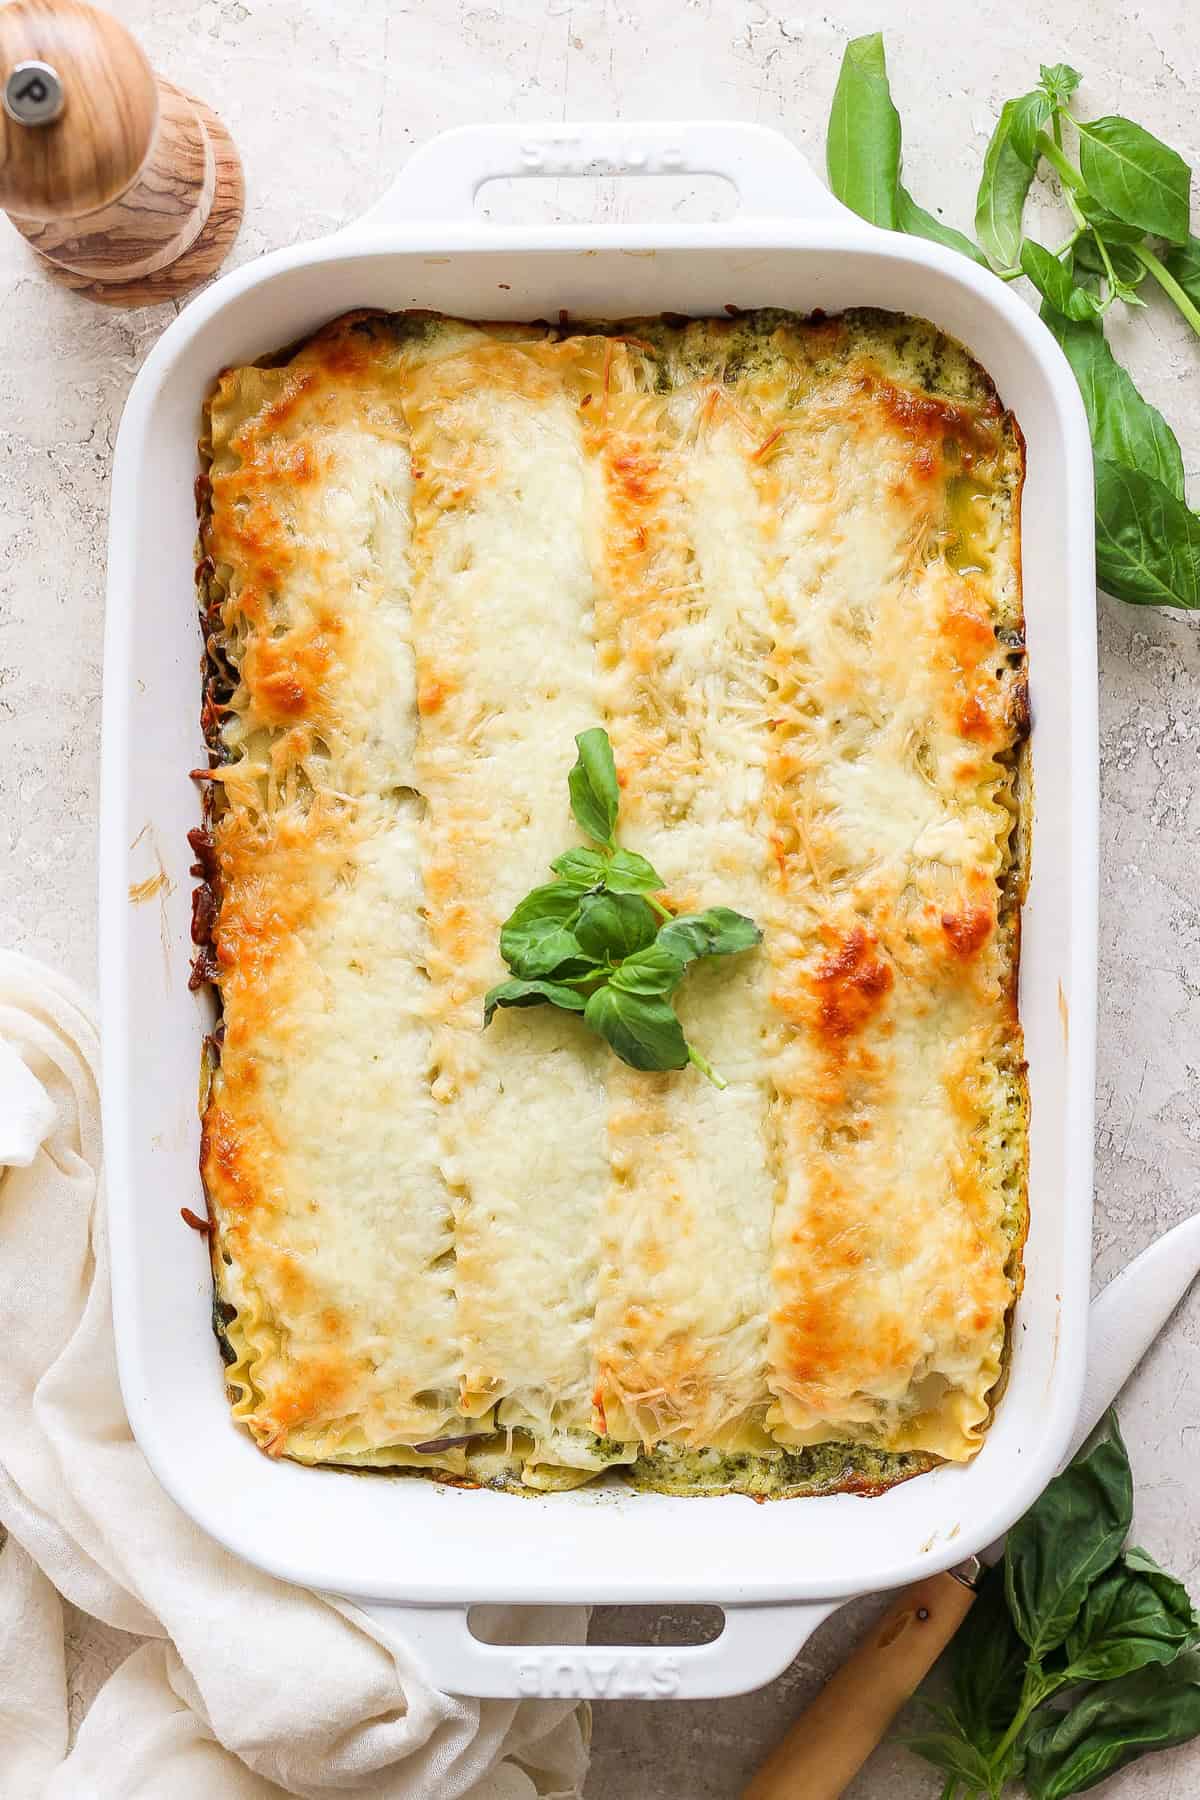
(129, 190)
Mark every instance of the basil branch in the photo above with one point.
(1106, 259)
(597, 940)
(1128, 198)
(1068, 1611)
(1038, 1688)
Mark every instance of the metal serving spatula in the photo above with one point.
(833, 1737)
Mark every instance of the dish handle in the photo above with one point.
(442, 178)
(756, 1644)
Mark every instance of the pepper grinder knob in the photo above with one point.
(129, 190)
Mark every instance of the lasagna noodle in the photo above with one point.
(332, 1219)
(896, 1058)
(308, 531)
(682, 633)
(503, 603)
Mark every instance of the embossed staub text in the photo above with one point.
(567, 154)
(559, 1677)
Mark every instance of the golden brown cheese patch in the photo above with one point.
(849, 983)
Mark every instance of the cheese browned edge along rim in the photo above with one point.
(864, 681)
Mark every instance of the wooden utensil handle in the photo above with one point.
(833, 1737)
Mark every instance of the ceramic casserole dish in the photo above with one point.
(417, 1554)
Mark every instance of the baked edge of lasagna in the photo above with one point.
(802, 1467)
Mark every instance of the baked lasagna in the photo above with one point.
(777, 559)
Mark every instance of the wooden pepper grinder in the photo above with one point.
(129, 190)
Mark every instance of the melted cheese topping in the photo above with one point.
(896, 1043)
(681, 628)
(779, 561)
(502, 612)
(334, 1227)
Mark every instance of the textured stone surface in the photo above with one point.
(324, 101)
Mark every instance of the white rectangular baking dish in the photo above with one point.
(417, 1554)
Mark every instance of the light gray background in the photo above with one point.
(325, 100)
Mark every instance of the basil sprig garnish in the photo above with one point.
(1127, 195)
(596, 941)
(1078, 1656)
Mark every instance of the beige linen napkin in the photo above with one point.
(248, 1686)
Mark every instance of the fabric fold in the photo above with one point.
(249, 1686)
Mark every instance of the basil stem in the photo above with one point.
(706, 1068)
(1168, 284)
(1184, 265)
(1069, 175)
(1109, 272)
(1038, 1687)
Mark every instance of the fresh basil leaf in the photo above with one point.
(1029, 114)
(1003, 187)
(955, 1755)
(584, 870)
(1113, 1726)
(1110, 228)
(1090, 283)
(643, 1031)
(530, 993)
(595, 796)
(1054, 282)
(862, 152)
(1059, 81)
(653, 972)
(1184, 265)
(862, 144)
(629, 873)
(1147, 540)
(1125, 264)
(1128, 295)
(716, 932)
(538, 934)
(1068, 1538)
(613, 926)
(1136, 176)
(938, 1710)
(987, 1665)
(1134, 1615)
(918, 223)
(1125, 428)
